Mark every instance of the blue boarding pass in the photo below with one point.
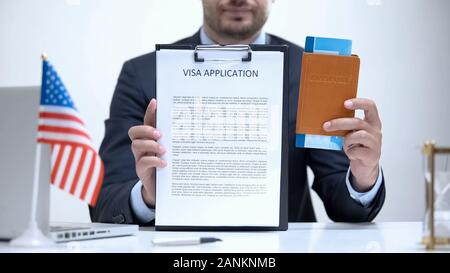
(333, 46)
(319, 142)
(328, 46)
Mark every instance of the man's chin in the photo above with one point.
(236, 25)
(238, 30)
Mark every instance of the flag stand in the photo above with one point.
(33, 236)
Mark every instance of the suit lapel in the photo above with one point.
(194, 39)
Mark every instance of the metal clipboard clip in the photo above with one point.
(204, 48)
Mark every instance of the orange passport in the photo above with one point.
(326, 82)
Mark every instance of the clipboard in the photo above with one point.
(197, 55)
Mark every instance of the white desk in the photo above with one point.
(301, 237)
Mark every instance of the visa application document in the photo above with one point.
(221, 122)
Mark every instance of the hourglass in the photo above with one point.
(436, 225)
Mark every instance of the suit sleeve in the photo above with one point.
(330, 169)
(127, 109)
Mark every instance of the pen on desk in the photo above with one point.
(184, 241)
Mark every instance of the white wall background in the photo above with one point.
(403, 44)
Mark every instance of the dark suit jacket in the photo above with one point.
(135, 89)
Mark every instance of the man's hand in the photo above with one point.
(362, 144)
(146, 152)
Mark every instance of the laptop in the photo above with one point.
(18, 120)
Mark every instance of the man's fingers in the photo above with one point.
(146, 162)
(144, 132)
(361, 145)
(346, 124)
(369, 107)
(358, 153)
(150, 114)
(359, 138)
(142, 147)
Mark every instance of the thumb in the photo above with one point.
(150, 114)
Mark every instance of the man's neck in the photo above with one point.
(218, 39)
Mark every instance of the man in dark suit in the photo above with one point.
(350, 183)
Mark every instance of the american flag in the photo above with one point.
(76, 167)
